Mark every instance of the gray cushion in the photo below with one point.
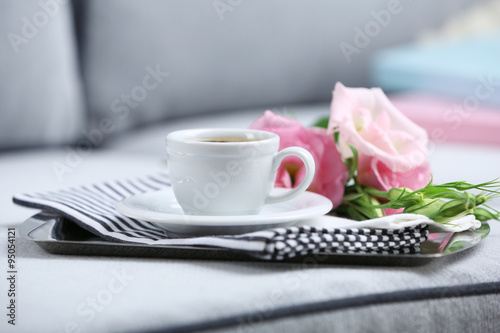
(40, 95)
(254, 54)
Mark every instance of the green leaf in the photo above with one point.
(322, 122)
(484, 215)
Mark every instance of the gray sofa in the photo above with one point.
(98, 86)
(69, 65)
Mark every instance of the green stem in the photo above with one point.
(376, 193)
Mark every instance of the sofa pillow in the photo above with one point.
(40, 95)
(150, 60)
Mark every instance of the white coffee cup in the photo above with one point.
(233, 176)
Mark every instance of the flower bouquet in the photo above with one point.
(372, 161)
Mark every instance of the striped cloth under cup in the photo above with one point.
(92, 208)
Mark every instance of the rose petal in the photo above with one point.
(373, 172)
(331, 172)
(382, 138)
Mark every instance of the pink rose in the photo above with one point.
(331, 172)
(392, 149)
(374, 173)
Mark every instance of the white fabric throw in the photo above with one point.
(397, 221)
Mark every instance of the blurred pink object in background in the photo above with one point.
(450, 120)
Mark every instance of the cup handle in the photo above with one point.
(308, 160)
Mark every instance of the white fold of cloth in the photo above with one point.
(396, 221)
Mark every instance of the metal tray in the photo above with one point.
(57, 235)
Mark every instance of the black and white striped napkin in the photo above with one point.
(92, 208)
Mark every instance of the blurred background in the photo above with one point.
(85, 72)
(90, 88)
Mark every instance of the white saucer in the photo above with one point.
(161, 208)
